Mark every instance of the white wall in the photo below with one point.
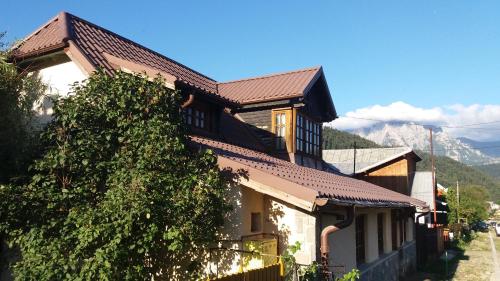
(343, 242)
(59, 79)
(293, 225)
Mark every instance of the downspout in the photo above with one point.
(324, 248)
(189, 101)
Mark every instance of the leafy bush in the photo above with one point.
(118, 194)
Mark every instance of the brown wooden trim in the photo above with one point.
(294, 130)
(77, 56)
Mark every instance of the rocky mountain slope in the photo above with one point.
(417, 137)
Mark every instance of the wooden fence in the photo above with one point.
(269, 273)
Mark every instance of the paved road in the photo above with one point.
(496, 274)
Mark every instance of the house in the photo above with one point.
(389, 167)
(270, 127)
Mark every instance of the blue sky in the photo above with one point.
(424, 53)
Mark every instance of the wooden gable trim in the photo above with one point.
(79, 58)
(132, 67)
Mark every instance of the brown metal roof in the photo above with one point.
(95, 42)
(270, 87)
(305, 181)
(98, 45)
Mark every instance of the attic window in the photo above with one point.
(195, 117)
(308, 135)
(280, 129)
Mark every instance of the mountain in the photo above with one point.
(417, 137)
(448, 171)
(490, 148)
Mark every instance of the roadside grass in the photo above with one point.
(471, 263)
(478, 265)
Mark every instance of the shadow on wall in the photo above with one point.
(275, 214)
(218, 257)
(230, 254)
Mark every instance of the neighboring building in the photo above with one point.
(422, 190)
(392, 167)
(268, 126)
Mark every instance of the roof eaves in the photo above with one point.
(367, 203)
(262, 100)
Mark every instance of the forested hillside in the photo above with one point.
(335, 139)
(448, 171)
(491, 169)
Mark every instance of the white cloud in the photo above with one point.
(451, 116)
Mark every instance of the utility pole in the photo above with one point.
(458, 203)
(354, 168)
(433, 178)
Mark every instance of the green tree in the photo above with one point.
(472, 205)
(118, 193)
(18, 92)
(335, 139)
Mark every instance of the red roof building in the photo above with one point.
(270, 127)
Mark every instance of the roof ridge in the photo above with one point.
(139, 45)
(273, 75)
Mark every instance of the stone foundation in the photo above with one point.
(392, 266)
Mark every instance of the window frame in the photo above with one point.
(308, 135)
(279, 128)
(197, 118)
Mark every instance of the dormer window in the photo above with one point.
(308, 135)
(199, 119)
(196, 118)
(280, 130)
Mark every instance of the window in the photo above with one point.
(380, 232)
(256, 222)
(360, 239)
(308, 136)
(195, 117)
(199, 119)
(280, 130)
(188, 116)
(300, 133)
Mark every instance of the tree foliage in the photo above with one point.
(118, 193)
(18, 92)
(471, 205)
(335, 139)
(449, 171)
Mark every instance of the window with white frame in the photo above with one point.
(308, 136)
(280, 130)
